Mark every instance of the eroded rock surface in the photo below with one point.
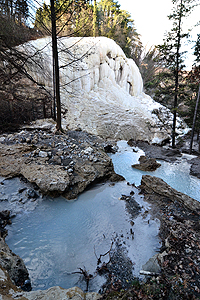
(9, 291)
(195, 167)
(157, 152)
(157, 185)
(11, 262)
(57, 163)
(146, 164)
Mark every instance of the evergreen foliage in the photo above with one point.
(193, 81)
(197, 49)
(17, 10)
(91, 18)
(172, 55)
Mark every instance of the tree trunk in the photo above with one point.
(55, 59)
(194, 120)
(54, 91)
(95, 29)
(176, 78)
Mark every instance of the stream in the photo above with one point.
(55, 237)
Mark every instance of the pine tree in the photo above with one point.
(197, 49)
(117, 24)
(171, 50)
(92, 18)
(21, 11)
(194, 104)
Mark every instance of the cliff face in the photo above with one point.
(102, 90)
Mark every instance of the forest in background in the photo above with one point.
(84, 18)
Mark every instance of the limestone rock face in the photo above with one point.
(102, 91)
(156, 185)
(9, 291)
(58, 164)
(13, 264)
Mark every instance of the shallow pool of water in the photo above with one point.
(176, 174)
(60, 236)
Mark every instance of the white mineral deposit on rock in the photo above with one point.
(102, 91)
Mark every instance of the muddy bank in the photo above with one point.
(179, 256)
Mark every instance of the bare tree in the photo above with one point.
(56, 66)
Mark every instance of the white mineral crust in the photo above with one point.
(102, 90)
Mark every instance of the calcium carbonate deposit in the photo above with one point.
(102, 90)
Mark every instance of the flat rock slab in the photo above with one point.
(158, 186)
(57, 163)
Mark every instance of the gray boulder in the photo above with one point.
(156, 185)
(147, 164)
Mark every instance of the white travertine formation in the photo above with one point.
(102, 91)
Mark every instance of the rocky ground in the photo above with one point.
(168, 154)
(174, 273)
(64, 163)
(67, 164)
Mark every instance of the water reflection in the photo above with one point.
(175, 174)
(59, 236)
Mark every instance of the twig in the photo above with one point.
(101, 255)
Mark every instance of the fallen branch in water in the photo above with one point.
(86, 275)
(101, 255)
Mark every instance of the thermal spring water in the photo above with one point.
(58, 237)
(176, 174)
